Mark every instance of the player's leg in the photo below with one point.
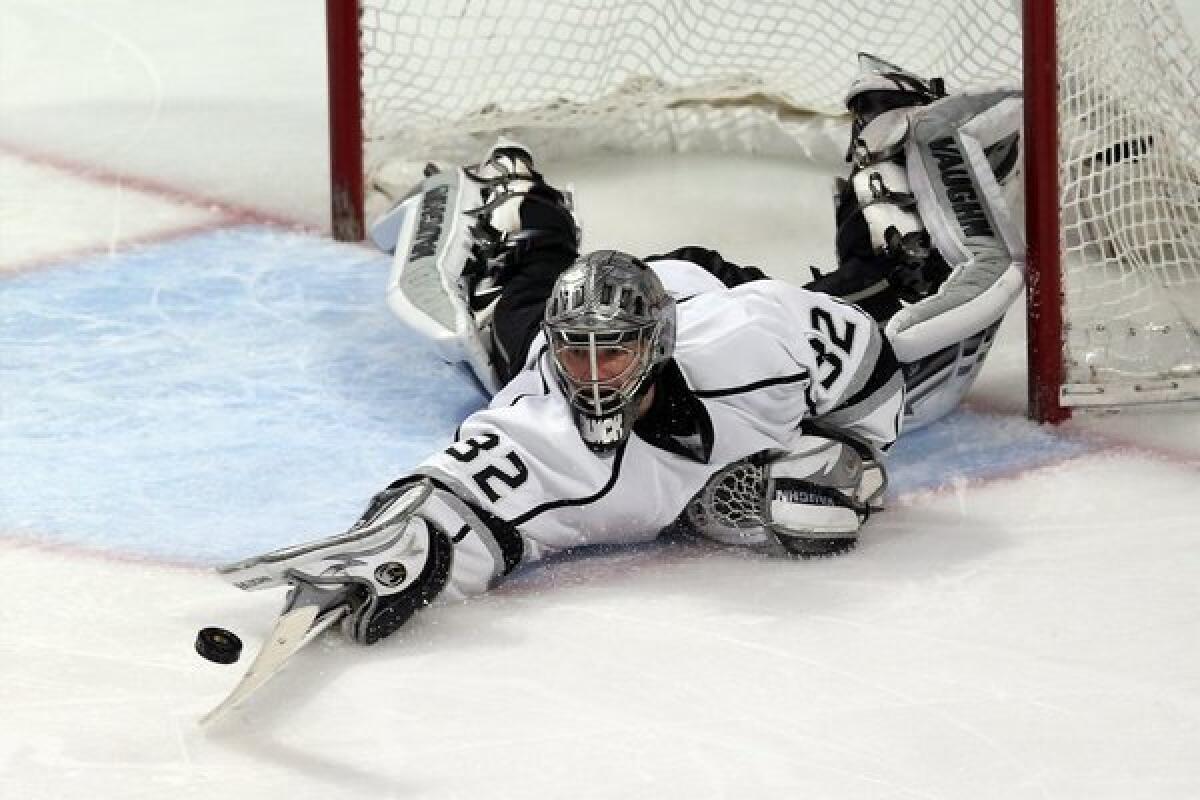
(808, 502)
(712, 262)
(927, 242)
(883, 255)
(544, 242)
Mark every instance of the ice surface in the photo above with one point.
(1020, 623)
(211, 397)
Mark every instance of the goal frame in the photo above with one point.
(1043, 235)
(346, 162)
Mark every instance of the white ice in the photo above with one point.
(1023, 622)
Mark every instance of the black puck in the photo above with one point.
(219, 645)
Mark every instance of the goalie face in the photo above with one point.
(610, 325)
(603, 362)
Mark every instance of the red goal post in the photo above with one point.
(1111, 141)
(1043, 277)
(347, 170)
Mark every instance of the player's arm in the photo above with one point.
(416, 542)
(812, 494)
(856, 386)
(435, 534)
(821, 490)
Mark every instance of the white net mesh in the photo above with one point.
(442, 77)
(1130, 137)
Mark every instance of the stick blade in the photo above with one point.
(293, 630)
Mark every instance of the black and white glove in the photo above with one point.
(397, 559)
(389, 574)
(809, 502)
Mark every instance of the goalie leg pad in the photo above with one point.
(899, 240)
(884, 252)
(959, 156)
(437, 247)
(457, 238)
(937, 383)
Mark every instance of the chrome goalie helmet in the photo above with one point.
(611, 326)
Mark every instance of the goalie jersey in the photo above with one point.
(754, 367)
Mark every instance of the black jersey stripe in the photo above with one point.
(541, 374)
(618, 457)
(507, 539)
(512, 546)
(886, 367)
(751, 387)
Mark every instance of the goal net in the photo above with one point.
(1129, 194)
(420, 80)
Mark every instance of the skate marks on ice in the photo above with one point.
(995, 637)
(119, 217)
(211, 397)
(953, 648)
(240, 390)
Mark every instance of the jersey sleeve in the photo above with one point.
(857, 385)
(817, 360)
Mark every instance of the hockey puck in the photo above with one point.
(219, 645)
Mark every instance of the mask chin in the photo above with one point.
(605, 432)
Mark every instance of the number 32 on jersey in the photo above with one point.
(493, 480)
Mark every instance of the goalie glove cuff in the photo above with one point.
(388, 582)
(416, 542)
(807, 519)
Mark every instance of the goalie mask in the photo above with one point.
(610, 326)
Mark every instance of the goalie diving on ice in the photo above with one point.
(635, 395)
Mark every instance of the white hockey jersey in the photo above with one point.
(751, 364)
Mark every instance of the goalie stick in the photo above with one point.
(337, 576)
(309, 612)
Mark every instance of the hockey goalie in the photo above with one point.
(635, 394)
